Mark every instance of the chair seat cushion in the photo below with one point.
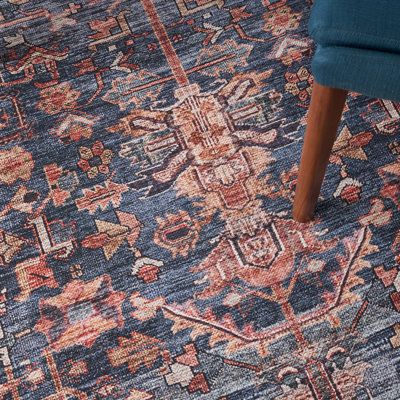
(358, 45)
(372, 24)
(372, 73)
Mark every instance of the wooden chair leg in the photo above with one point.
(323, 119)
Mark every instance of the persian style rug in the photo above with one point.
(148, 156)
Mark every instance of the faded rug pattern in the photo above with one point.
(148, 156)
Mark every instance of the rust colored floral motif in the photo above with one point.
(210, 137)
(299, 83)
(228, 180)
(77, 132)
(349, 190)
(147, 270)
(203, 125)
(60, 97)
(95, 159)
(80, 313)
(263, 269)
(75, 127)
(15, 163)
(265, 258)
(280, 20)
(178, 233)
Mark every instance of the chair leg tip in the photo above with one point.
(303, 220)
(302, 217)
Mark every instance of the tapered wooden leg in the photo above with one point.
(323, 119)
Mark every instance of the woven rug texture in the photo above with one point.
(149, 151)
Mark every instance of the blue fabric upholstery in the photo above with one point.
(358, 46)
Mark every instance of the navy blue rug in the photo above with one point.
(148, 157)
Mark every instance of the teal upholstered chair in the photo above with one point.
(357, 49)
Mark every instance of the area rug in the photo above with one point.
(149, 153)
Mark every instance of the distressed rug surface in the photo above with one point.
(148, 156)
